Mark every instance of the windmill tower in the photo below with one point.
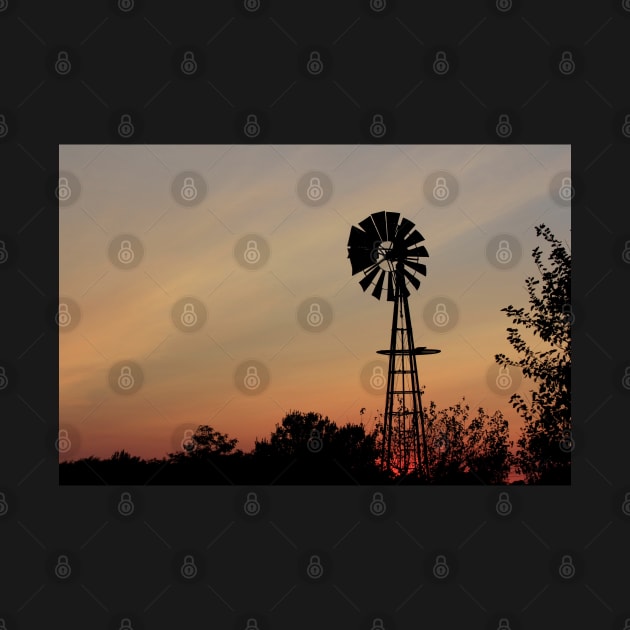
(386, 249)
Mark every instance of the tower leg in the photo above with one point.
(404, 441)
(389, 399)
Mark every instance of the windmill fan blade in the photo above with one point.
(378, 289)
(391, 297)
(358, 238)
(370, 229)
(365, 282)
(404, 228)
(419, 267)
(381, 224)
(391, 219)
(414, 281)
(417, 252)
(360, 246)
(360, 260)
(413, 238)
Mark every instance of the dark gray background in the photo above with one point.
(254, 62)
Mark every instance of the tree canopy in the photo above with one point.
(545, 444)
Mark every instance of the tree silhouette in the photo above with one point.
(465, 450)
(310, 448)
(206, 443)
(544, 447)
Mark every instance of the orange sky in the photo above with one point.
(192, 252)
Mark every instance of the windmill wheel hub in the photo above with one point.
(387, 250)
(383, 253)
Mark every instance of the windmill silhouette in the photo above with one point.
(387, 248)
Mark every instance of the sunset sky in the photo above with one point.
(194, 251)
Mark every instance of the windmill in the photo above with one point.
(386, 249)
